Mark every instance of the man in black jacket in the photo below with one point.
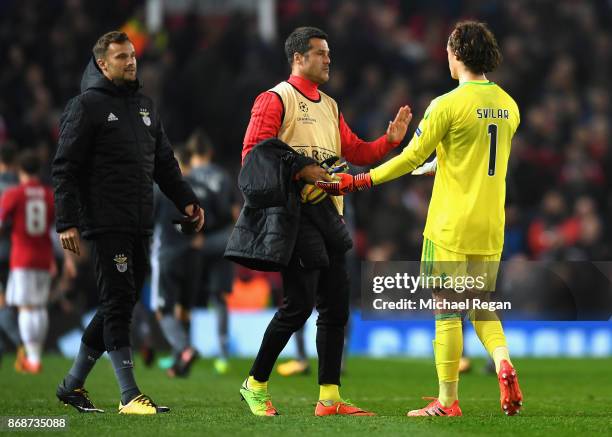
(112, 147)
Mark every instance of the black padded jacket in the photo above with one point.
(112, 147)
(274, 225)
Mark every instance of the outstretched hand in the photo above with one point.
(398, 127)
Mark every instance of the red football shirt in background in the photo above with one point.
(29, 207)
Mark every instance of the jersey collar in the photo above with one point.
(478, 82)
(306, 87)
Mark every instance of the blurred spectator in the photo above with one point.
(554, 228)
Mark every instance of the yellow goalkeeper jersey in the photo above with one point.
(471, 129)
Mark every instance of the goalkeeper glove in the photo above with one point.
(427, 169)
(346, 183)
(314, 195)
(335, 165)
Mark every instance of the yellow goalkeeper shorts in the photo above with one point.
(445, 269)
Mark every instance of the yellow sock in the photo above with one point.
(448, 347)
(491, 334)
(253, 384)
(500, 353)
(329, 392)
(448, 393)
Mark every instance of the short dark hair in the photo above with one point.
(101, 46)
(199, 143)
(8, 152)
(29, 162)
(299, 41)
(475, 45)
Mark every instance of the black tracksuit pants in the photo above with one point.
(327, 290)
(121, 262)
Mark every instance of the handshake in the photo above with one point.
(346, 183)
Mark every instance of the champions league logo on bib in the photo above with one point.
(144, 113)
(121, 260)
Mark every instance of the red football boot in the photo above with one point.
(511, 398)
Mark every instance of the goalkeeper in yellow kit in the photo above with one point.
(470, 128)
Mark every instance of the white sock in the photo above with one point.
(33, 325)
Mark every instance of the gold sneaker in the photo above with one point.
(141, 404)
(294, 367)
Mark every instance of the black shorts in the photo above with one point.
(217, 279)
(176, 281)
(217, 272)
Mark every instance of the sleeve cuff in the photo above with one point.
(373, 176)
(61, 227)
(391, 144)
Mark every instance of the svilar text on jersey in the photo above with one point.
(492, 113)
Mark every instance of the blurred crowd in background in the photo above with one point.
(204, 71)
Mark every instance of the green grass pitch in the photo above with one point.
(562, 397)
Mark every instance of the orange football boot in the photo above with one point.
(26, 366)
(342, 408)
(435, 408)
(511, 398)
(20, 357)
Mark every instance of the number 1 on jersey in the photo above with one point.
(492, 132)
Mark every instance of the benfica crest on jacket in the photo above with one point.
(121, 262)
(144, 113)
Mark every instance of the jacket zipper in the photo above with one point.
(138, 145)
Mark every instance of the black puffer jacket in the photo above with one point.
(273, 225)
(112, 147)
